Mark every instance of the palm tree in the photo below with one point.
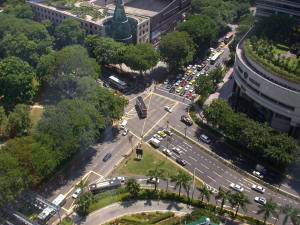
(181, 179)
(156, 173)
(289, 211)
(268, 209)
(133, 187)
(187, 188)
(224, 195)
(239, 200)
(204, 192)
(83, 202)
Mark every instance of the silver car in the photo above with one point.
(260, 200)
(236, 187)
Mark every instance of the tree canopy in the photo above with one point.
(16, 81)
(176, 48)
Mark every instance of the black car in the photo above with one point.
(190, 78)
(207, 68)
(106, 157)
(181, 161)
(105, 84)
(182, 93)
(172, 90)
(169, 86)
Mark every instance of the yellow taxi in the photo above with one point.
(189, 72)
(162, 134)
(192, 82)
(179, 89)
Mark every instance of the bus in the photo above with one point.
(215, 58)
(105, 185)
(116, 82)
(228, 37)
(141, 107)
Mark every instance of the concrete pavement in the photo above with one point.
(130, 207)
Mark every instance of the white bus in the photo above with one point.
(116, 82)
(215, 58)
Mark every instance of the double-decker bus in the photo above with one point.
(228, 37)
(116, 82)
(141, 107)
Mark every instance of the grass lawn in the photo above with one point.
(143, 218)
(35, 116)
(151, 157)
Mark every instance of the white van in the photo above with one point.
(154, 142)
(123, 124)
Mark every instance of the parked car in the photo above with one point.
(125, 132)
(187, 87)
(205, 138)
(177, 83)
(169, 86)
(186, 120)
(260, 200)
(168, 132)
(207, 68)
(155, 142)
(189, 78)
(258, 188)
(161, 133)
(258, 174)
(176, 150)
(188, 94)
(182, 93)
(106, 157)
(183, 83)
(167, 152)
(76, 193)
(179, 89)
(168, 108)
(121, 179)
(236, 187)
(158, 137)
(172, 90)
(166, 82)
(181, 161)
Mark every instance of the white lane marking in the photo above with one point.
(187, 144)
(199, 170)
(247, 190)
(193, 158)
(217, 174)
(211, 178)
(188, 163)
(204, 166)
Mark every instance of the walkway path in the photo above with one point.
(129, 207)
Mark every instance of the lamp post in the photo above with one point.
(193, 184)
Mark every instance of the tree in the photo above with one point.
(239, 200)
(181, 179)
(290, 212)
(176, 48)
(69, 32)
(217, 112)
(19, 10)
(268, 209)
(105, 50)
(224, 195)
(187, 188)
(141, 57)
(19, 121)
(216, 75)
(3, 122)
(202, 29)
(133, 187)
(204, 192)
(16, 81)
(203, 85)
(156, 173)
(82, 203)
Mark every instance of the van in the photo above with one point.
(154, 142)
(123, 124)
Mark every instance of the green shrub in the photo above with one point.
(282, 47)
(161, 217)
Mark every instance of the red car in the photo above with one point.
(183, 83)
(188, 94)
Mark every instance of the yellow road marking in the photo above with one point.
(146, 118)
(96, 173)
(135, 135)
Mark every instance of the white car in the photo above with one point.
(194, 72)
(260, 200)
(191, 90)
(152, 180)
(176, 150)
(158, 137)
(197, 75)
(188, 68)
(187, 87)
(177, 83)
(195, 67)
(168, 108)
(168, 132)
(258, 188)
(236, 187)
(167, 152)
(166, 82)
(76, 193)
(125, 132)
(258, 174)
(121, 179)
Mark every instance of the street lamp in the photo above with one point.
(193, 184)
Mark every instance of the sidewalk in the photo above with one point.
(130, 207)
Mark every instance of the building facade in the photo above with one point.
(264, 96)
(268, 7)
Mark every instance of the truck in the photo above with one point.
(155, 142)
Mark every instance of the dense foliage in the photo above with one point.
(256, 139)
